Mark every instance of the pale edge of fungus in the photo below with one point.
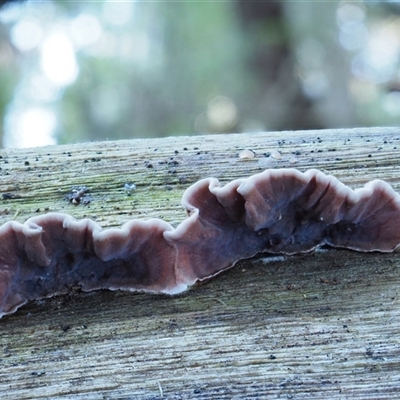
(280, 211)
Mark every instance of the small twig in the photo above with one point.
(223, 303)
(160, 389)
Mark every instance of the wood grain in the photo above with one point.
(320, 325)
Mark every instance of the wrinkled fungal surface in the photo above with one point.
(279, 211)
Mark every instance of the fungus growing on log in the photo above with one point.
(279, 211)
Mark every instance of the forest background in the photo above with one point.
(95, 70)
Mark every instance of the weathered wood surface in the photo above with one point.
(320, 325)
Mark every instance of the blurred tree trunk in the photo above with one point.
(298, 64)
(313, 32)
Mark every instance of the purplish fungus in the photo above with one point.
(279, 211)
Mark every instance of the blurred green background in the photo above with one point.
(79, 71)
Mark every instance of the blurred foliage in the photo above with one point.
(8, 75)
(148, 69)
